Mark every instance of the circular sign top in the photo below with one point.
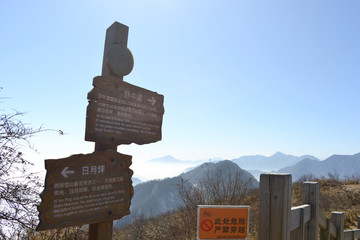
(120, 60)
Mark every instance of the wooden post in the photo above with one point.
(338, 219)
(104, 230)
(115, 61)
(113, 65)
(311, 192)
(101, 231)
(275, 206)
(358, 224)
(299, 233)
(325, 233)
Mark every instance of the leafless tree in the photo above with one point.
(19, 189)
(213, 189)
(217, 188)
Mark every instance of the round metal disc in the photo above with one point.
(120, 60)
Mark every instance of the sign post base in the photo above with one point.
(101, 231)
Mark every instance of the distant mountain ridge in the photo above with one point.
(171, 159)
(267, 164)
(342, 166)
(166, 159)
(255, 164)
(135, 181)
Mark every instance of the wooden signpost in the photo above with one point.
(121, 113)
(96, 188)
(83, 189)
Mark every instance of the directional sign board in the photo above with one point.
(84, 189)
(222, 222)
(121, 113)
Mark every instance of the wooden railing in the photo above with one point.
(280, 221)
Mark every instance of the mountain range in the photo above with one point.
(273, 163)
(255, 164)
(340, 166)
(159, 196)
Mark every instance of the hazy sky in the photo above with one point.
(239, 77)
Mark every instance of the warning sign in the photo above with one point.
(222, 222)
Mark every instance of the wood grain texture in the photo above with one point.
(275, 206)
(97, 187)
(122, 113)
(311, 193)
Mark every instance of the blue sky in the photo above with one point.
(239, 77)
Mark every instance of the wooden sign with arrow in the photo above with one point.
(96, 188)
(83, 189)
(122, 113)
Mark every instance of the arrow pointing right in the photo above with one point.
(152, 100)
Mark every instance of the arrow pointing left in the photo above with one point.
(65, 172)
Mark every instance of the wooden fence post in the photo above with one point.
(325, 233)
(275, 206)
(299, 233)
(338, 219)
(359, 223)
(311, 191)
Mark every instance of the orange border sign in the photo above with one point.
(222, 222)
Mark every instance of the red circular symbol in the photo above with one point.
(206, 225)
